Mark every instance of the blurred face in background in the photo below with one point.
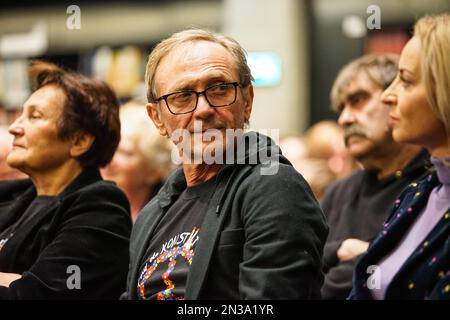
(411, 115)
(5, 148)
(6, 172)
(36, 146)
(364, 118)
(128, 167)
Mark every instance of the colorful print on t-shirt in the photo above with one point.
(176, 252)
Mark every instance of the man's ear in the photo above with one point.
(154, 114)
(248, 99)
(81, 143)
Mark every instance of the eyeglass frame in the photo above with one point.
(197, 95)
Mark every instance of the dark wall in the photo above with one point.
(330, 50)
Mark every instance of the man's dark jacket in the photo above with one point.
(83, 231)
(262, 237)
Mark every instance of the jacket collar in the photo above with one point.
(397, 226)
(414, 168)
(173, 187)
(418, 163)
(26, 192)
(415, 198)
(86, 177)
(254, 145)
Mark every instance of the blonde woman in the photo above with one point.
(410, 258)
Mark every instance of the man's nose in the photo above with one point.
(203, 107)
(347, 117)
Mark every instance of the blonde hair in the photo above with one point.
(381, 69)
(154, 149)
(191, 35)
(434, 35)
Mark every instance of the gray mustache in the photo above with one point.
(354, 130)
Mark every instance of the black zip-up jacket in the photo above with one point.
(262, 236)
(82, 234)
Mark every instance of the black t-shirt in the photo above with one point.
(32, 211)
(164, 272)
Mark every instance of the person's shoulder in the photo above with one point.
(262, 180)
(102, 188)
(174, 184)
(98, 196)
(101, 204)
(344, 184)
(15, 184)
(355, 177)
(147, 213)
(277, 171)
(420, 187)
(10, 188)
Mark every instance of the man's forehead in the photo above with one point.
(361, 82)
(195, 62)
(195, 49)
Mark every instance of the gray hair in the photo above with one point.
(191, 35)
(381, 69)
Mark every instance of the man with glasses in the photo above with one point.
(243, 226)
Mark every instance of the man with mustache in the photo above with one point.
(357, 206)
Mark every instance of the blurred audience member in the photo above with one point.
(3, 115)
(325, 140)
(412, 251)
(6, 172)
(315, 171)
(357, 206)
(64, 233)
(142, 160)
(319, 155)
(294, 148)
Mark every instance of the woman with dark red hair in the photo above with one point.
(64, 233)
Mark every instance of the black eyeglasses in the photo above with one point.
(219, 95)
